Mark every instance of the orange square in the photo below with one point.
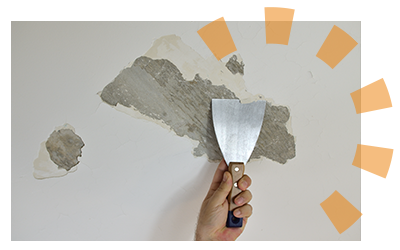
(336, 46)
(373, 159)
(340, 211)
(218, 38)
(278, 14)
(278, 32)
(278, 24)
(371, 97)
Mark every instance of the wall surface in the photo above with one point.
(137, 180)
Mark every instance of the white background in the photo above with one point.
(132, 167)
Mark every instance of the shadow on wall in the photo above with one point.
(178, 219)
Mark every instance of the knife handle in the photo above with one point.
(237, 170)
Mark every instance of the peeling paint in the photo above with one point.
(157, 89)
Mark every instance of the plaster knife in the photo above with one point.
(237, 127)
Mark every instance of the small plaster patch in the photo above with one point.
(64, 147)
(58, 156)
(234, 66)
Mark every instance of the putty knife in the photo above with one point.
(237, 127)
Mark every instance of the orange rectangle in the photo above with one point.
(218, 38)
(278, 24)
(373, 159)
(278, 14)
(336, 47)
(371, 97)
(340, 211)
(278, 32)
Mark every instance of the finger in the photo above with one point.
(244, 182)
(215, 183)
(220, 194)
(243, 198)
(244, 211)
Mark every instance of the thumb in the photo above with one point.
(219, 196)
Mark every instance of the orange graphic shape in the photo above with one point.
(218, 38)
(340, 211)
(222, 18)
(336, 46)
(373, 159)
(278, 23)
(371, 97)
(278, 14)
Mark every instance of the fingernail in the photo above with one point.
(244, 183)
(225, 176)
(238, 213)
(240, 200)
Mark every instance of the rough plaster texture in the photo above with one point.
(64, 147)
(58, 155)
(157, 89)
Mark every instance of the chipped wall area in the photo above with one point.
(58, 156)
(64, 147)
(157, 89)
(234, 66)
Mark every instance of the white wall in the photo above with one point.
(138, 181)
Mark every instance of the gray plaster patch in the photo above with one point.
(234, 66)
(157, 89)
(275, 142)
(44, 167)
(64, 147)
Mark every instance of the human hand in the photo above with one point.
(211, 224)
